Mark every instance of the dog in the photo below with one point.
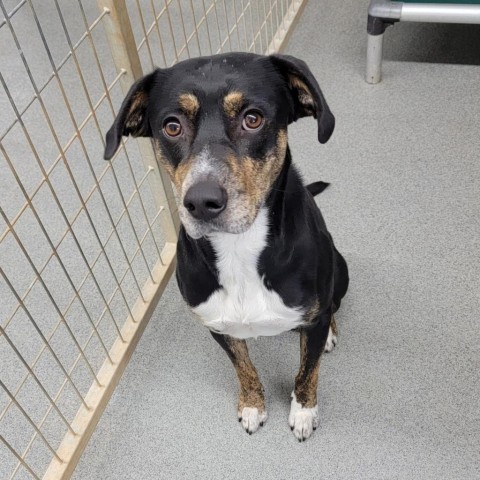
(254, 256)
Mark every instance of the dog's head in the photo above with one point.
(219, 126)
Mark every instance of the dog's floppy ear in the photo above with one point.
(132, 117)
(307, 97)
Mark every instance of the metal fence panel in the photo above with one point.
(86, 246)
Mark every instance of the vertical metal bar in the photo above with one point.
(249, 4)
(228, 26)
(195, 27)
(109, 99)
(259, 27)
(125, 56)
(175, 48)
(218, 26)
(244, 13)
(155, 20)
(183, 28)
(208, 28)
(265, 22)
(373, 72)
(237, 19)
(145, 34)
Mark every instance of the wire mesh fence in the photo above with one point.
(86, 246)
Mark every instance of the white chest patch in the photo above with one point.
(244, 307)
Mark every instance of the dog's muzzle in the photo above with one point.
(205, 200)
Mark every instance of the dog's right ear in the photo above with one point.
(132, 118)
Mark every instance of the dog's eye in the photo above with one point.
(172, 127)
(252, 120)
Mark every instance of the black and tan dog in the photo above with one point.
(254, 255)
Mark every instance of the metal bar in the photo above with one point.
(182, 21)
(52, 190)
(42, 336)
(228, 26)
(74, 365)
(30, 421)
(237, 20)
(172, 36)
(62, 238)
(107, 91)
(59, 259)
(125, 55)
(374, 58)
(282, 36)
(145, 35)
(19, 458)
(60, 156)
(155, 23)
(13, 12)
(218, 25)
(52, 75)
(205, 13)
(37, 381)
(39, 162)
(85, 421)
(440, 13)
(195, 29)
(72, 118)
(90, 104)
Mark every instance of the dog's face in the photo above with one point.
(219, 126)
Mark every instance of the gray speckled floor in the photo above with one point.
(399, 395)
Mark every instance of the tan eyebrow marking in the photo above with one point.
(232, 103)
(189, 104)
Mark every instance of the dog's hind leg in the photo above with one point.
(251, 402)
(303, 418)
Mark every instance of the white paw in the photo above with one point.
(302, 421)
(331, 341)
(251, 419)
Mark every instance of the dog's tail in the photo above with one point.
(317, 187)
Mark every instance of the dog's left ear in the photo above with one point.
(307, 97)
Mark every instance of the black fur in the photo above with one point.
(300, 261)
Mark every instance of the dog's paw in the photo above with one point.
(251, 418)
(331, 341)
(303, 421)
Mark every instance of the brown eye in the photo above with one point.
(172, 127)
(252, 120)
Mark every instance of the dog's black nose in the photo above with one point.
(205, 200)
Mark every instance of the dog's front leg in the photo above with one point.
(251, 402)
(303, 418)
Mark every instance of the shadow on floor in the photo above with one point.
(433, 43)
